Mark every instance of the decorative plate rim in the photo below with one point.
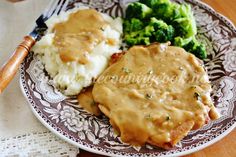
(58, 134)
(192, 150)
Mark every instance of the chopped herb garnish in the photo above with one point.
(168, 118)
(148, 96)
(196, 96)
(126, 70)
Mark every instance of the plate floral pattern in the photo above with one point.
(66, 118)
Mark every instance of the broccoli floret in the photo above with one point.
(165, 11)
(148, 31)
(151, 3)
(185, 23)
(191, 45)
(196, 48)
(157, 23)
(136, 40)
(144, 40)
(150, 21)
(179, 15)
(200, 51)
(133, 25)
(138, 10)
(185, 10)
(185, 27)
(170, 33)
(163, 32)
(139, 37)
(156, 30)
(178, 41)
(164, 35)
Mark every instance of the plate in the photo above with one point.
(65, 118)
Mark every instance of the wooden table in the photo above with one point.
(227, 146)
(224, 148)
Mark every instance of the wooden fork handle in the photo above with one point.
(9, 69)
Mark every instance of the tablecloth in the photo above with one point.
(21, 134)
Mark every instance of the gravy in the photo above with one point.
(162, 110)
(85, 99)
(76, 37)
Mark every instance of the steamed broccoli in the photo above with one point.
(199, 51)
(138, 10)
(148, 31)
(179, 15)
(150, 21)
(156, 30)
(196, 48)
(139, 40)
(132, 25)
(185, 25)
(163, 32)
(165, 10)
(178, 41)
(139, 36)
(191, 45)
(151, 3)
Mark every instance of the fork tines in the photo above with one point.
(55, 7)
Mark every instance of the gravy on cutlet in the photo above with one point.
(162, 110)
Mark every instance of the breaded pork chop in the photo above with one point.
(155, 94)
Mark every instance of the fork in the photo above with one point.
(9, 69)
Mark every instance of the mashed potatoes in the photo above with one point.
(72, 76)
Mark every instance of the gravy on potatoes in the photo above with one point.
(77, 36)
